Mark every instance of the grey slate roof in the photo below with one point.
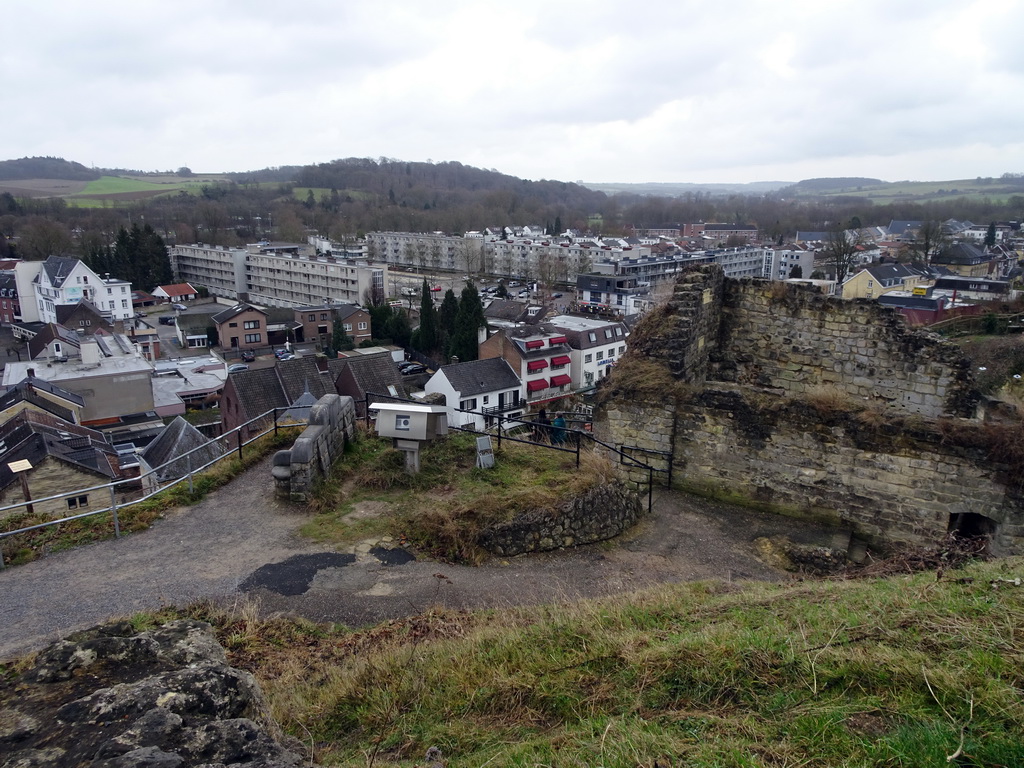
(178, 438)
(235, 311)
(476, 377)
(28, 389)
(52, 332)
(34, 436)
(260, 390)
(960, 253)
(58, 268)
(359, 374)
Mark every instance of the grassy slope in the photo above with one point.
(902, 671)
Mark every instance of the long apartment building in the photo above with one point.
(529, 257)
(278, 275)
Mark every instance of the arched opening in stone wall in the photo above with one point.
(971, 525)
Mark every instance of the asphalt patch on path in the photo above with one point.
(395, 556)
(294, 575)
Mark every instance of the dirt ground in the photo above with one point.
(241, 543)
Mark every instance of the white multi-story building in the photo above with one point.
(62, 281)
(596, 346)
(287, 275)
(528, 255)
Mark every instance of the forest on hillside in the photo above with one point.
(346, 198)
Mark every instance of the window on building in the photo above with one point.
(607, 333)
(323, 315)
(78, 502)
(251, 325)
(312, 318)
(362, 326)
(468, 405)
(124, 303)
(124, 289)
(348, 327)
(593, 336)
(322, 330)
(600, 355)
(622, 350)
(109, 291)
(232, 325)
(588, 358)
(253, 338)
(611, 352)
(487, 399)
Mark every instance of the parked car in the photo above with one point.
(286, 356)
(166, 320)
(436, 288)
(237, 367)
(279, 353)
(556, 295)
(248, 356)
(409, 370)
(179, 307)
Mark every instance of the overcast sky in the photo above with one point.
(601, 90)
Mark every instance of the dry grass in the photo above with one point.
(829, 399)
(898, 671)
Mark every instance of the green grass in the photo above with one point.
(442, 509)
(886, 672)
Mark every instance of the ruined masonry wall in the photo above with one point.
(891, 488)
(793, 339)
(332, 423)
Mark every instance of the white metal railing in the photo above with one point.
(137, 489)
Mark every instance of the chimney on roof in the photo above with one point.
(455, 359)
(32, 373)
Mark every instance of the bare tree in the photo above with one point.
(840, 251)
(929, 238)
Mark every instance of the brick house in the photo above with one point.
(317, 323)
(241, 327)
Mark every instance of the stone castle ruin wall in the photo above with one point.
(813, 406)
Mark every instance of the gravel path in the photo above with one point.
(241, 540)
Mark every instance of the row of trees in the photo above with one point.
(452, 330)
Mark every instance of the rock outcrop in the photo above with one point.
(111, 697)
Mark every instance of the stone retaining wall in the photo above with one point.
(600, 514)
(332, 423)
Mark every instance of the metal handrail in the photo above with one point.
(153, 475)
(577, 440)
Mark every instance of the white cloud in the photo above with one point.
(599, 90)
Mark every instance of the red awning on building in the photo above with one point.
(558, 340)
(536, 385)
(561, 360)
(561, 380)
(535, 344)
(536, 365)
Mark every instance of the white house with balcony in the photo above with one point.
(489, 388)
(63, 281)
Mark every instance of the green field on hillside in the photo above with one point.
(109, 190)
(996, 190)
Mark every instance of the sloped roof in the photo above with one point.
(34, 435)
(960, 253)
(178, 289)
(235, 311)
(174, 441)
(84, 307)
(52, 332)
(476, 377)
(886, 272)
(366, 373)
(28, 389)
(58, 268)
(299, 410)
(259, 390)
(899, 228)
